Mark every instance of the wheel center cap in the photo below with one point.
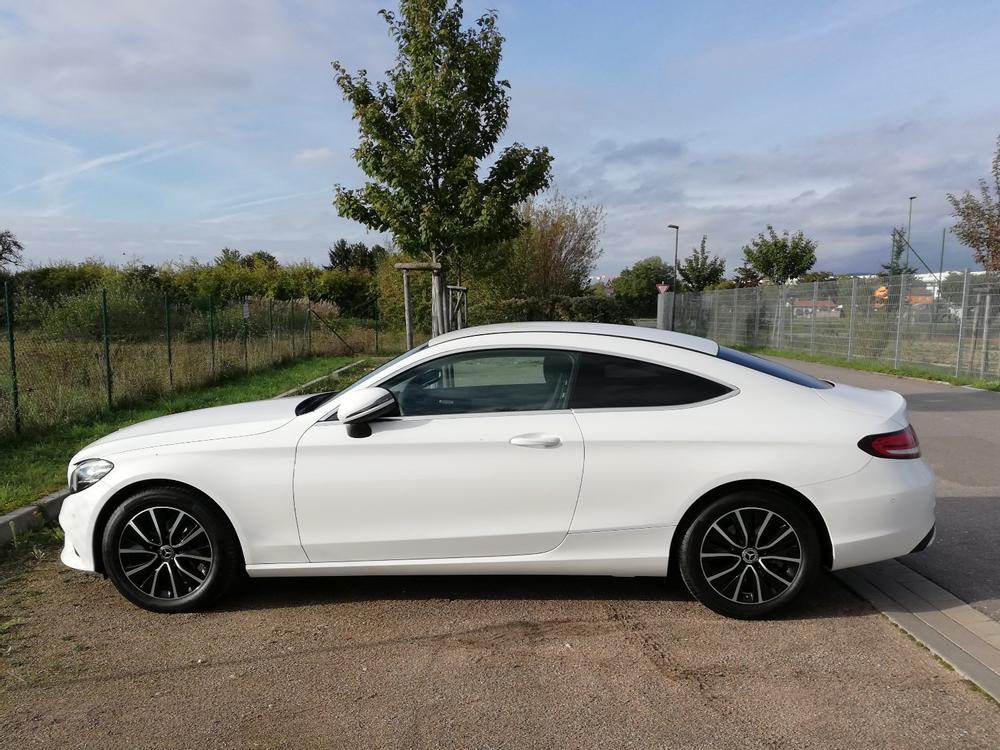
(750, 555)
(166, 552)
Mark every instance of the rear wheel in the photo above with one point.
(167, 550)
(749, 553)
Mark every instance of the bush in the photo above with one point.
(591, 309)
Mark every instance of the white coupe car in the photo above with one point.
(534, 448)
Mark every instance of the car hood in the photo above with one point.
(236, 420)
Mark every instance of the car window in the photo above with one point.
(604, 382)
(771, 368)
(501, 380)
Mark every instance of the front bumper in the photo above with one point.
(883, 511)
(78, 519)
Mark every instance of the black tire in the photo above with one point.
(736, 556)
(167, 549)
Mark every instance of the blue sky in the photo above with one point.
(161, 130)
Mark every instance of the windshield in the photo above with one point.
(362, 382)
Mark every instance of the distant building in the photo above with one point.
(825, 308)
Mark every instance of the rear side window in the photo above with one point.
(771, 368)
(603, 382)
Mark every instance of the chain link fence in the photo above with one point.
(951, 325)
(77, 355)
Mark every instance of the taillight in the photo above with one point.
(898, 444)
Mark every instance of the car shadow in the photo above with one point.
(825, 598)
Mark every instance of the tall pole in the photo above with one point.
(673, 297)
(909, 223)
(944, 232)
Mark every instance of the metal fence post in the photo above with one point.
(756, 315)
(309, 339)
(211, 331)
(961, 323)
(812, 326)
(376, 325)
(735, 294)
(715, 315)
(8, 305)
(107, 344)
(985, 361)
(850, 323)
(170, 353)
(899, 317)
(246, 335)
(270, 327)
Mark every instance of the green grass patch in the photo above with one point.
(33, 464)
(906, 371)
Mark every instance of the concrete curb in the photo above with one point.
(40, 513)
(321, 378)
(962, 636)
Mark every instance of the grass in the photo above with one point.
(908, 371)
(32, 465)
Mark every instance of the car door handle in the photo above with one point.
(536, 440)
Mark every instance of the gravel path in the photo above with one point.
(466, 662)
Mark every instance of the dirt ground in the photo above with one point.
(465, 662)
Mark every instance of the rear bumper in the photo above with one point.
(883, 511)
(926, 542)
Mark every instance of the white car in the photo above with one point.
(548, 448)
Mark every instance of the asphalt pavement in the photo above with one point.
(959, 432)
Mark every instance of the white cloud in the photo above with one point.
(309, 155)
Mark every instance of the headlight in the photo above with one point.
(87, 472)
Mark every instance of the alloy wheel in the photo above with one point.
(165, 552)
(750, 555)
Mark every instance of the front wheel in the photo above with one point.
(168, 550)
(748, 554)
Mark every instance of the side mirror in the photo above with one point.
(365, 405)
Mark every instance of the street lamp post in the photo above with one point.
(673, 297)
(909, 223)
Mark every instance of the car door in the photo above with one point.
(484, 459)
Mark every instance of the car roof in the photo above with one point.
(639, 333)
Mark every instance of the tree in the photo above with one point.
(896, 266)
(780, 258)
(978, 220)
(635, 287)
(809, 278)
(745, 276)
(354, 256)
(228, 256)
(424, 132)
(699, 271)
(259, 259)
(11, 250)
(555, 254)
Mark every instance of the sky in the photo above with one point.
(159, 131)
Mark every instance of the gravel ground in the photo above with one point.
(465, 662)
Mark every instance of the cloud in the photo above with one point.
(651, 149)
(64, 175)
(310, 155)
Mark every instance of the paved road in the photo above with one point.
(959, 431)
